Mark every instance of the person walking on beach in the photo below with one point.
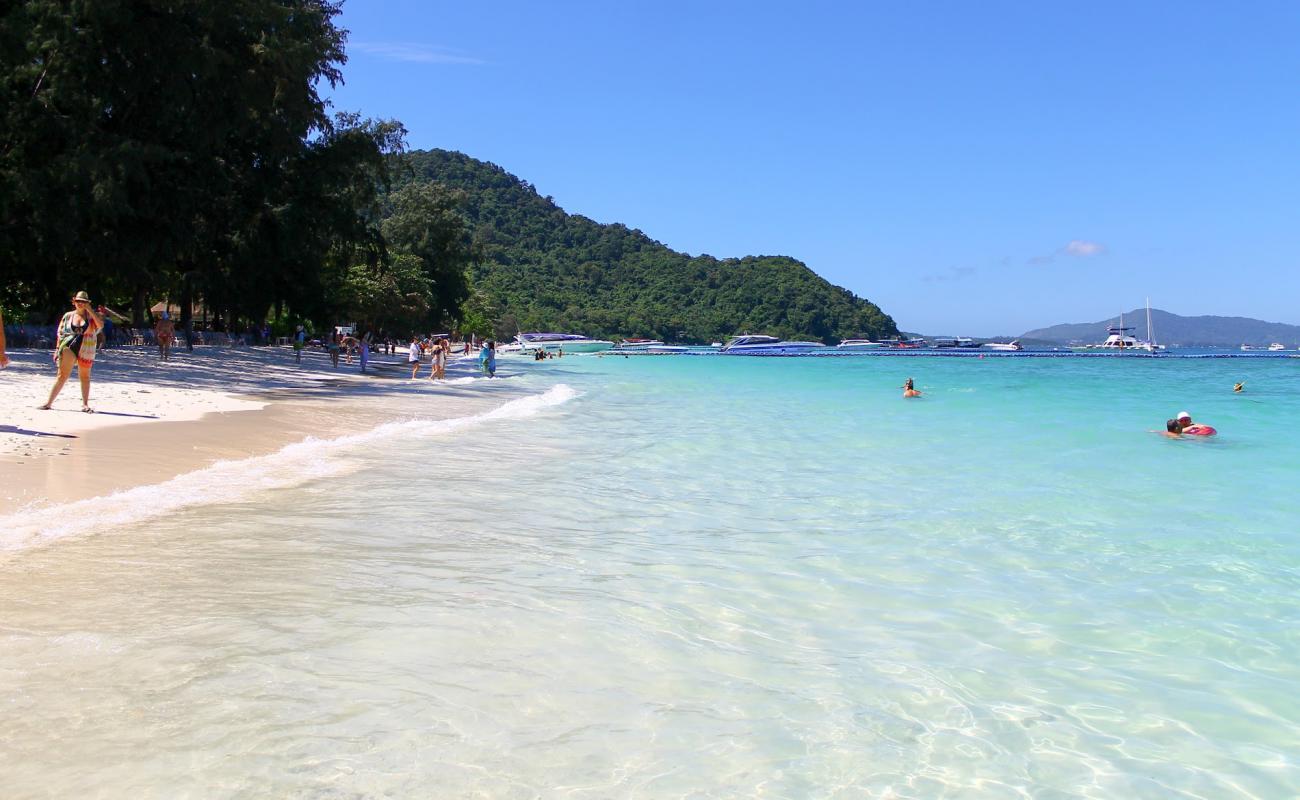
(909, 390)
(76, 345)
(164, 333)
(299, 342)
(438, 364)
(365, 351)
(487, 359)
(333, 346)
(413, 355)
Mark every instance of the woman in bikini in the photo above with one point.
(77, 332)
(164, 333)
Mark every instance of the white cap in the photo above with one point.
(1183, 415)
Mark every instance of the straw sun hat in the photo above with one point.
(81, 297)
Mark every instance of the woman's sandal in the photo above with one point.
(87, 410)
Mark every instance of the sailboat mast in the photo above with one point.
(1149, 339)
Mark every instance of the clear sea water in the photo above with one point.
(699, 578)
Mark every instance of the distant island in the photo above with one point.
(540, 268)
(1175, 330)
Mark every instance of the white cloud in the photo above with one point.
(414, 53)
(1078, 247)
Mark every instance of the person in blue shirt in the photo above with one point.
(487, 359)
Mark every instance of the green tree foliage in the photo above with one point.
(394, 298)
(539, 268)
(424, 222)
(150, 146)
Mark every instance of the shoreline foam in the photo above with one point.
(157, 421)
(226, 480)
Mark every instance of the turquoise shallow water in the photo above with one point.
(703, 577)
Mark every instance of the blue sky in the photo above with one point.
(974, 168)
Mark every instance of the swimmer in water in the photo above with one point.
(1185, 425)
(1173, 430)
(909, 390)
(1239, 386)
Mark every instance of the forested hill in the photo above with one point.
(544, 269)
(1173, 329)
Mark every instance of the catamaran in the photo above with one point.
(1150, 344)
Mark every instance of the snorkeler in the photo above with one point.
(1239, 386)
(909, 390)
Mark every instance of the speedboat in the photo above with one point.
(758, 345)
(1007, 346)
(958, 342)
(859, 344)
(552, 342)
(1276, 346)
(637, 345)
(1248, 347)
(897, 343)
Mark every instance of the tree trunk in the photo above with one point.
(137, 308)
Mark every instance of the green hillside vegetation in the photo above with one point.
(1174, 329)
(539, 268)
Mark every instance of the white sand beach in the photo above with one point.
(155, 420)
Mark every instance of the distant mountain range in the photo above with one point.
(1172, 329)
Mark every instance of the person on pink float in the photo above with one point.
(1188, 428)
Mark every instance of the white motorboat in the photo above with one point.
(758, 345)
(898, 343)
(637, 345)
(957, 342)
(1276, 347)
(1245, 348)
(568, 342)
(859, 344)
(1013, 346)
